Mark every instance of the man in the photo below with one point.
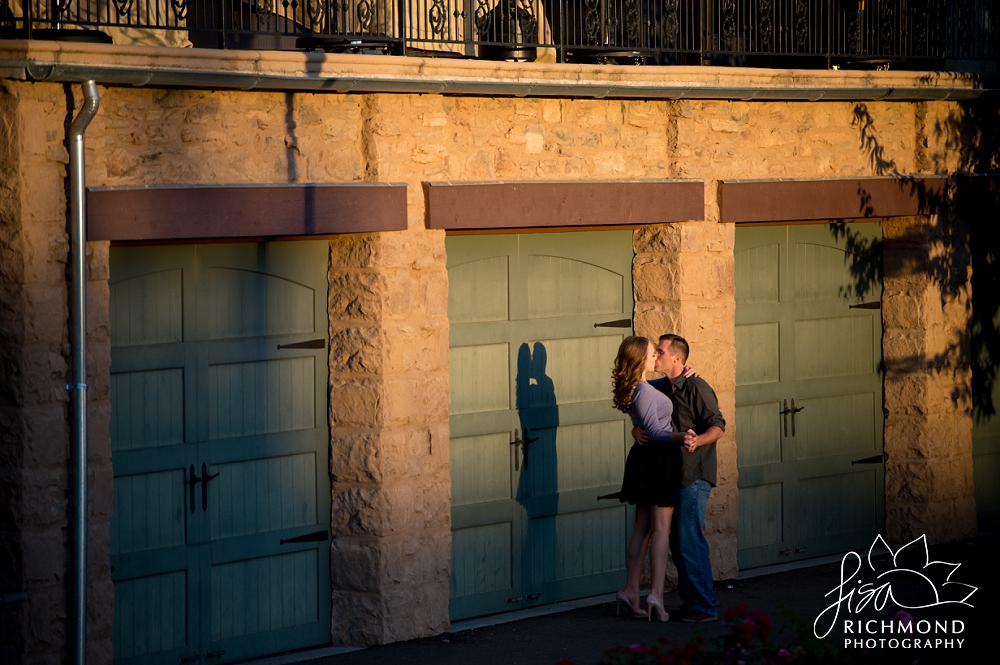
(696, 412)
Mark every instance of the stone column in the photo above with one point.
(928, 408)
(391, 514)
(683, 282)
(35, 520)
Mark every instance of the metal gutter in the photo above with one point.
(78, 314)
(424, 81)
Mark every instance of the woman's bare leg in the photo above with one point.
(659, 546)
(636, 553)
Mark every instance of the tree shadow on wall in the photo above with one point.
(965, 233)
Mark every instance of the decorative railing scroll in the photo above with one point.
(786, 33)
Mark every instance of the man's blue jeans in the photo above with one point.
(690, 549)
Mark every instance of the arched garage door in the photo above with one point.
(808, 390)
(219, 544)
(536, 321)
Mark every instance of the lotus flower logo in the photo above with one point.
(909, 580)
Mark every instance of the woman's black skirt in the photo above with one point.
(652, 474)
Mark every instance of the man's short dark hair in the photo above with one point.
(677, 345)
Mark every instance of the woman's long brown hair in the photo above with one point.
(629, 367)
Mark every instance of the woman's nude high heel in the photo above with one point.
(633, 612)
(656, 607)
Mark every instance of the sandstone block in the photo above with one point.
(46, 611)
(415, 398)
(417, 559)
(357, 619)
(940, 521)
(726, 455)
(657, 239)
(47, 442)
(356, 564)
(359, 510)
(415, 249)
(703, 279)
(401, 297)
(356, 349)
(705, 323)
(100, 649)
(440, 438)
(433, 620)
(44, 556)
(355, 295)
(47, 312)
(355, 456)
(722, 551)
(46, 252)
(415, 452)
(356, 402)
(434, 296)
(903, 350)
(416, 504)
(355, 250)
(534, 140)
(907, 437)
(45, 498)
(727, 126)
(911, 481)
(655, 278)
(653, 319)
(906, 392)
(432, 598)
(722, 512)
(480, 164)
(100, 605)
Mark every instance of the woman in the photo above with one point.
(652, 473)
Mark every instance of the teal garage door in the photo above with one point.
(536, 321)
(808, 390)
(220, 446)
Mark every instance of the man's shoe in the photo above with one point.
(696, 616)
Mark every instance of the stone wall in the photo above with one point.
(389, 427)
(36, 365)
(391, 499)
(928, 406)
(683, 281)
(388, 298)
(12, 424)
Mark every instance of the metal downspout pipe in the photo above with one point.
(78, 318)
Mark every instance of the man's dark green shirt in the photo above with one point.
(697, 408)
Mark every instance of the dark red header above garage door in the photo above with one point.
(519, 205)
(201, 212)
(749, 201)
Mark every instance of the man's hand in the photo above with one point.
(711, 435)
(640, 435)
(690, 440)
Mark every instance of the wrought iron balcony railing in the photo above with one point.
(925, 34)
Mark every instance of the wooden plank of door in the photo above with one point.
(154, 559)
(572, 281)
(264, 441)
(487, 524)
(797, 338)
